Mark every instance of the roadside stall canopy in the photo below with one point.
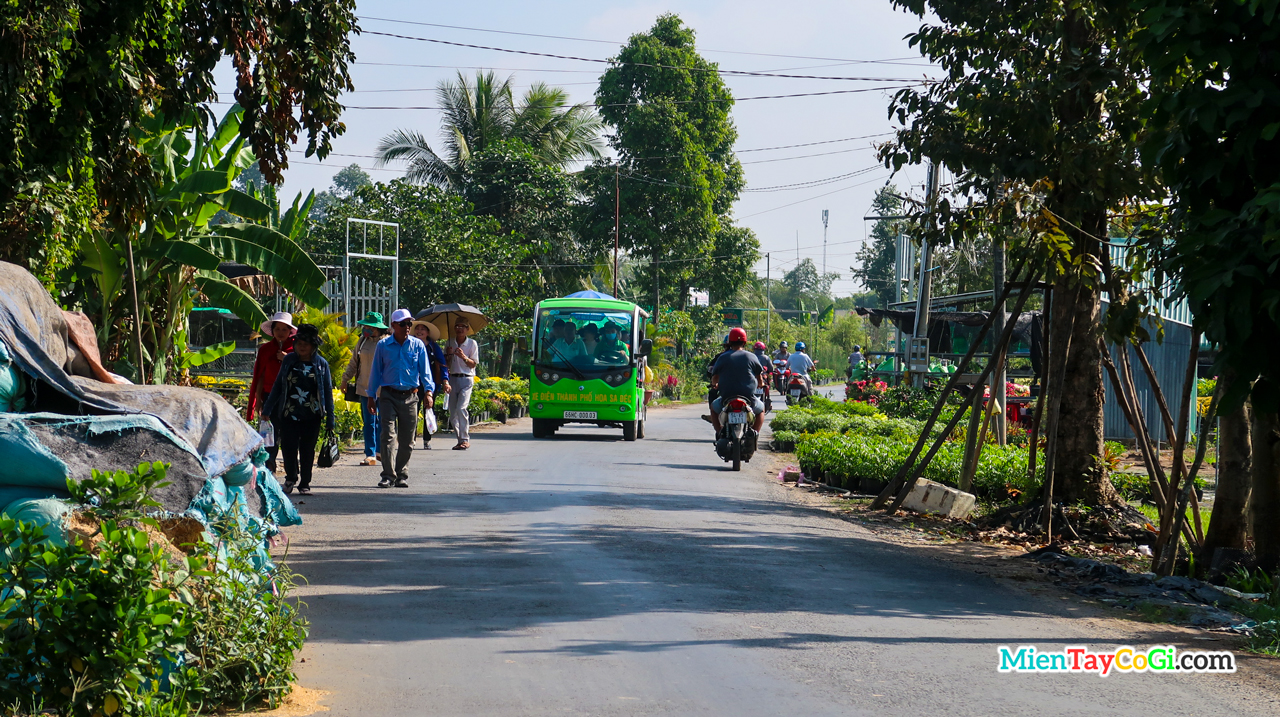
(949, 331)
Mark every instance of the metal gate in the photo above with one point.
(365, 296)
(356, 289)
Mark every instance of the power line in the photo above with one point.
(810, 144)
(890, 61)
(818, 196)
(742, 73)
(808, 156)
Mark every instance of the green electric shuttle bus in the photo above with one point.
(589, 355)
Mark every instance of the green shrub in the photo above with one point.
(112, 625)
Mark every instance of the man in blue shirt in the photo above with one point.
(801, 364)
(398, 378)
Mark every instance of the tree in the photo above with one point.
(728, 269)
(482, 114)
(79, 79)
(876, 261)
(177, 253)
(345, 183)
(1040, 92)
(449, 253)
(676, 169)
(804, 288)
(1214, 138)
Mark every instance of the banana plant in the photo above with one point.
(177, 252)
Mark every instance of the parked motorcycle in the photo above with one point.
(737, 439)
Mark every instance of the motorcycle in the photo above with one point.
(737, 439)
(763, 393)
(796, 388)
(780, 375)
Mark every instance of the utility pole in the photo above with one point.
(926, 276)
(768, 301)
(823, 278)
(617, 226)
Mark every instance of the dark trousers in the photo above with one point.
(397, 425)
(272, 451)
(297, 439)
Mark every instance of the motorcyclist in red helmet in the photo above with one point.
(736, 373)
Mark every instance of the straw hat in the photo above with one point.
(283, 317)
(432, 330)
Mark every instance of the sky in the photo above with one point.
(736, 34)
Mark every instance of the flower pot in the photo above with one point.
(502, 417)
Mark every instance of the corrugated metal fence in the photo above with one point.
(1169, 360)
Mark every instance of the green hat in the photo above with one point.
(373, 320)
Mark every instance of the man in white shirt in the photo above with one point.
(462, 353)
(801, 364)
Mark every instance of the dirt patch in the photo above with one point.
(86, 527)
(300, 702)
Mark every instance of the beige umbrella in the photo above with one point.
(443, 316)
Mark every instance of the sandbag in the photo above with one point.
(48, 513)
(13, 385)
(10, 493)
(276, 506)
(240, 474)
(24, 459)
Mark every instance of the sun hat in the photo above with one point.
(309, 333)
(464, 321)
(283, 317)
(432, 330)
(373, 320)
(400, 315)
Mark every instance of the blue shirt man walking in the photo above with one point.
(398, 379)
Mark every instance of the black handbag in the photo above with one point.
(329, 451)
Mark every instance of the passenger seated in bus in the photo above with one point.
(567, 346)
(612, 349)
(590, 336)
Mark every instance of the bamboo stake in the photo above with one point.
(1045, 324)
(1122, 396)
(971, 439)
(1151, 457)
(892, 487)
(1000, 346)
(972, 469)
(1179, 519)
(137, 315)
(1179, 434)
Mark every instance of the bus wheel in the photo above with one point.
(540, 428)
(629, 430)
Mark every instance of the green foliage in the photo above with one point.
(114, 625)
(81, 79)
(117, 493)
(877, 258)
(177, 253)
(1001, 475)
(339, 342)
(910, 402)
(1205, 387)
(208, 354)
(455, 255)
(88, 629)
(679, 177)
(1213, 72)
(246, 631)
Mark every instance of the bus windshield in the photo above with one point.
(584, 338)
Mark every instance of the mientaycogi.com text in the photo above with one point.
(1079, 660)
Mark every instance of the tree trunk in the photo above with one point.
(508, 352)
(1228, 526)
(1264, 504)
(1078, 471)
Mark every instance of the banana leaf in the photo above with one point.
(290, 275)
(242, 205)
(231, 297)
(309, 274)
(204, 181)
(208, 354)
(184, 252)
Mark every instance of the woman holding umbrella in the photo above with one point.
(463, 354)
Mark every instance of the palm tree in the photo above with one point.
(480, 114)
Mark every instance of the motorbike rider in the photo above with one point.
(735, 374)
(855, 359)
(761, 350)
(801, 364)
(712, 393)
(782, 352)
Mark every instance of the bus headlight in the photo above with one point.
(555, 377)
(546, 377)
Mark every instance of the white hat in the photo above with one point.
(283, 317)
(400, 315)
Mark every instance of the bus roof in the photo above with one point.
(565, 303)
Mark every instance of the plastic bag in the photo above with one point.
(268, 432)
(429, 422)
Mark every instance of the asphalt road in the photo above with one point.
(582, 575)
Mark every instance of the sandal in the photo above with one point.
(288, 486)
(304, 491)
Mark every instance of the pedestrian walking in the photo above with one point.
(464, 354)
(266, 366)
(429, 334)
(372, 329)
(398, 380)
(301, 400)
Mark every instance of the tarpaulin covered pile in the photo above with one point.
(62, 415)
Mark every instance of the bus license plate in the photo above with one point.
(591, 415)
(737, 417)
(795, 392)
